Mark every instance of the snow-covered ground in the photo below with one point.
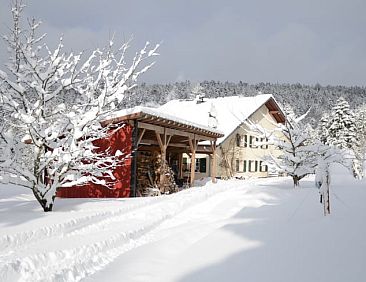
(253, 230)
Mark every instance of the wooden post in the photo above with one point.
(135, 132)
(213, 162)
(163, 144)
(326, 196)
(193, 147)
(180, 165)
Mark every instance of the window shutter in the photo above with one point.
(237, 163)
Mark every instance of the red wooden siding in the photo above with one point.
(119, 140)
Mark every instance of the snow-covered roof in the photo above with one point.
(140, 111)
(230, 111)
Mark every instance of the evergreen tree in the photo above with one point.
(340, 130)
(342, 126)
(360, 150)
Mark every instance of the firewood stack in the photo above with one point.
(164, 176)
(145, 169)
(149, 171)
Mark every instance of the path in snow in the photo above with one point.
(259, 231)
(164, 257)
(82, 244)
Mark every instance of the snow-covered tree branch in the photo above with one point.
(47, 141)
(299, 151)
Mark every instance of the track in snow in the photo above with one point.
(79, 247)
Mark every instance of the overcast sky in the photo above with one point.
(306, 41)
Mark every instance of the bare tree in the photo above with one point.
(47, 143)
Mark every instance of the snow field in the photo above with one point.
(262, 230)
(89, 242)
(257, 230)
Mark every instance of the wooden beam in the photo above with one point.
(205, 149)
(193, 146)
(154, 142)
(160, 141)
(163, 146)
(274, 112)
(193, 167)
(141, 135)
(171, 131)
(204, 138)
(168, 141)
(152, 127)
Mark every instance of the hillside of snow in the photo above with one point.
(236, 230)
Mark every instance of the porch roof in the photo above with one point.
(150, 116)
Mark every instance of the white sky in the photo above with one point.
(304, 41)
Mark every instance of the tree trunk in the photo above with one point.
(46, 203)
(296, 180)
(47, 207)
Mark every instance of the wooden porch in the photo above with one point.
(170, 139)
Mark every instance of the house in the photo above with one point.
(155, 141)
(240, 150)
(194, 139)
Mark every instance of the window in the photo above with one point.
(263, 167)
(200, 165)
(253, 166)
(252, 139)
(241, 140)
(237, 164)
(203, 164)
(245, 166)
(264, 146)
(185, 164)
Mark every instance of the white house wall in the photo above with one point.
(229, 153)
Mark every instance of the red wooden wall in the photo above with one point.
(119, 140)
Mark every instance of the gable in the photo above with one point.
(263, 116)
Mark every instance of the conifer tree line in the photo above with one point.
(320, 99)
